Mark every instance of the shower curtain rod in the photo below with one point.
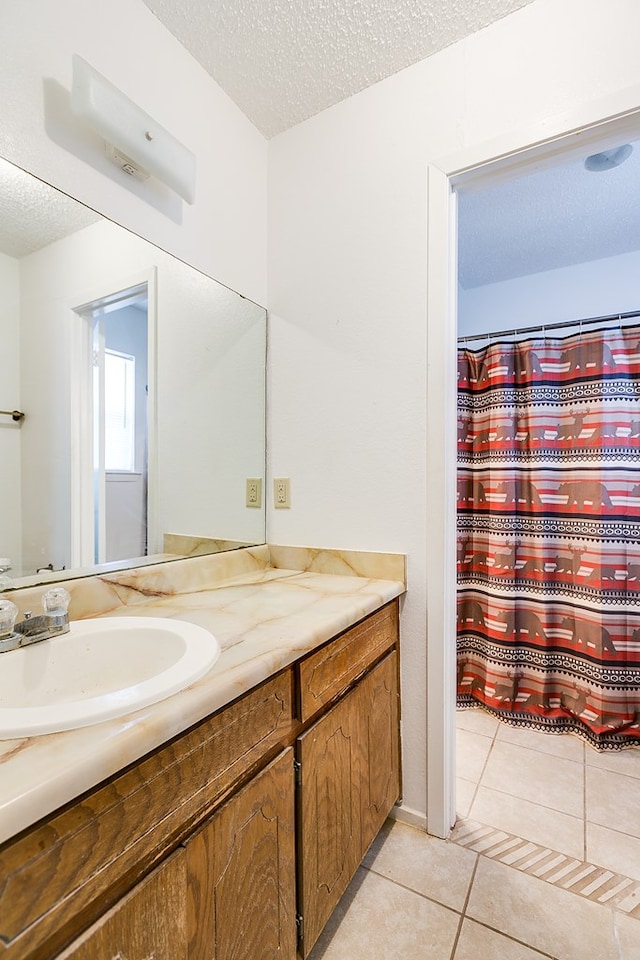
(550, 326)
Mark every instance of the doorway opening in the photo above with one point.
(112, 434)
(443, 186)
(547, 268)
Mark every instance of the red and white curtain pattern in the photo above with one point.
(549, 533)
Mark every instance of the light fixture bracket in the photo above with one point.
(125, 163)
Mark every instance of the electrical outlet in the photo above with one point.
(281, 493)
(254, 491)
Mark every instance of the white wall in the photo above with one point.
(593, 289)
(224, 232)
(347, 280)
(10, 430)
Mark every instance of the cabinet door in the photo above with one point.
(241, 873)
(330, 839)
(147, 924)
(380, 766)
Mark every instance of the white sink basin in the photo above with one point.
(103, 668)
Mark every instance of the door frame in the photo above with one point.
(587, 129)
(80, 339)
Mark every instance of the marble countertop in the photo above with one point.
(264, 619)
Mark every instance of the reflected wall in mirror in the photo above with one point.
(142, 382)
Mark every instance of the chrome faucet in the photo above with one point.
(52, 623)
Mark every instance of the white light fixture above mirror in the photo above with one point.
(139, 145)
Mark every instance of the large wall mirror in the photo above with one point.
(142, 384)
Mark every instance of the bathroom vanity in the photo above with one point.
(236, 836)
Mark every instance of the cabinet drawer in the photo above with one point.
(58, 877)
(329, 671)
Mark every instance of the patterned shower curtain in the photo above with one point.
(549, 533)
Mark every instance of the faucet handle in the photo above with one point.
(8, 614)
(56, 602)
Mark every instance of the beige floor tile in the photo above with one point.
(479, 943)
(476, 720)
(538, 777)
(615, 851)
(558, 745)
(435, 868)
(628, 933)
(378, 919)
(613, 800)
(472, 750)
(626, 761)
(558, 831)
(464, 796)
(545, 917)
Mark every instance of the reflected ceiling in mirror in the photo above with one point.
(142, 383)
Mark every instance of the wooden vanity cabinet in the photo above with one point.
(66, 872)
(229, 893)
(218, 846)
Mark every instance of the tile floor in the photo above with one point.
(544, 861)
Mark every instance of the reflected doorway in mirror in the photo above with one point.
(111, 430)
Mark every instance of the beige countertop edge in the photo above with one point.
(263, 624)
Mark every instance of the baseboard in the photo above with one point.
(406, 815)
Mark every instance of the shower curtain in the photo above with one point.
(549, 533)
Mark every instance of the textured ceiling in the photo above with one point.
(33, 215)
(553, 218)
(282, 61)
